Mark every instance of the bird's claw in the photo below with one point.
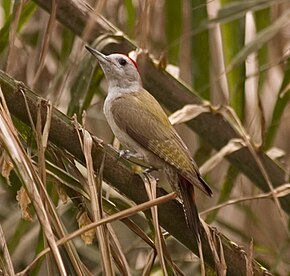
(137, 160)
(125, 154)
(149, 170)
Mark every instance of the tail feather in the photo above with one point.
(205, 186)
(189, 206)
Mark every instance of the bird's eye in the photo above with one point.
(122, 61)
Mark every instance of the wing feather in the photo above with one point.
(162, 139)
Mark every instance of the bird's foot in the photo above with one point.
(132, 157)
(125, 154)
(137, 160)
(149, 170)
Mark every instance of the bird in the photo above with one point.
(141, 125)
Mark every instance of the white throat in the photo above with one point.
(116, 87)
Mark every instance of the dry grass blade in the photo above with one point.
(118, 216)
(249, 263)
(150, 185)
(259, 164)
(45, 133)
(6, 166)
(285, 90)
(90, 22)
(28, 176)
(41, 159)
(93, 15)
(48, 33)
(149, 264)
(18, 5)
(187, 113)
(61, 176)
(118, 254)
(223, 265)
(138, 231)
(261, 38)
(232, 146)
(275, 153)
(83, 219)
(9, 269)
(160, 246)
(220, 265)
(102, 232)
(41, 139)
(24, 201)
(144, 24)
(280, 191)
(202, 264)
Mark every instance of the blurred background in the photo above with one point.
(230, 53)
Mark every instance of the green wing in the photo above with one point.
(148, 125)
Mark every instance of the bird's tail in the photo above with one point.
(189, 206)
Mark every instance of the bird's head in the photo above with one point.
(120, 70)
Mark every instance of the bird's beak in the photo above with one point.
(100, 57)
